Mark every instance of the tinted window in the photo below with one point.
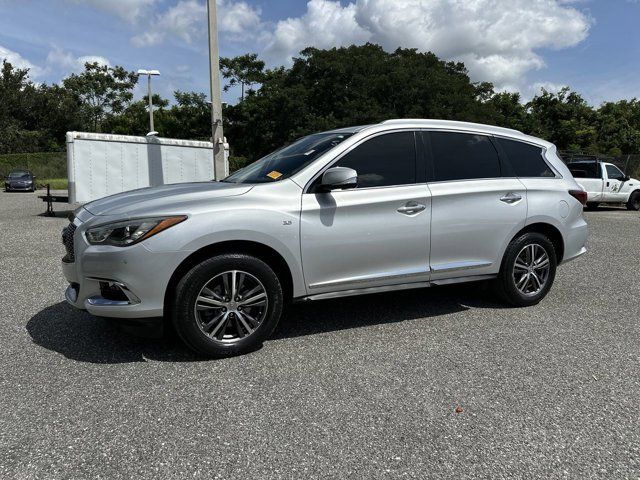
(585, 169)
(525, 159)
(614, 173)
(384, 160)
(462, 156)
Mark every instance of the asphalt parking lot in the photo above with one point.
(355, 388)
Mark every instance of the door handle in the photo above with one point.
(511, 198)
(411, 208)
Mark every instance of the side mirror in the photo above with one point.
(626, 178)
(338, 178)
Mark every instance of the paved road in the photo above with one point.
(358, 388)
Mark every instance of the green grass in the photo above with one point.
(43, 165)
(56, 183)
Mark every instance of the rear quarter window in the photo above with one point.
(526, 160)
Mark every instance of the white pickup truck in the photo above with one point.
(606, 183)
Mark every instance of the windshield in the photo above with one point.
(20, 175)
(288, 160)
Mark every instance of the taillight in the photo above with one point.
(579, 195)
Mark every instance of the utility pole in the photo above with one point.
(219, 164)
(149, 74)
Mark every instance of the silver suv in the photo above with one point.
(398, 205)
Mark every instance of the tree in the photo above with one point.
(351, 86)
(565, 119)
(134, 119)
(618, 127)
(33, 117)
(102, 91)
(245, 70)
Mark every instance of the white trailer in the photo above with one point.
(99, 164)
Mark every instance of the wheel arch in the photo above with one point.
(259, 250)
(550, 231)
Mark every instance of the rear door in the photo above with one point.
(373, 235)
(475, 209)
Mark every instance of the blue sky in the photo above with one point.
(593, 46)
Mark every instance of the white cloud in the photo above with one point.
(187, 21)
(497, 40)
(18, 61)
(128, 10)
(326, 24)
(66, 62)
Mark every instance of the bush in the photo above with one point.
(42, 165)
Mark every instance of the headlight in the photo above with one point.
(122, 234)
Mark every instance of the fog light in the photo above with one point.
(117, 292)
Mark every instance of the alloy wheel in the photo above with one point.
(231, 306)
(531, 269)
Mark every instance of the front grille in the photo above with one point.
(67, 241)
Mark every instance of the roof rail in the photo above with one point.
(451, 123)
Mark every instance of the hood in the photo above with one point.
(163, 199)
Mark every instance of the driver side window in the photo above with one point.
(383, 161)
(614, 173)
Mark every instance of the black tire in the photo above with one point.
(634, 201)
(592, 205)
(505, 284)
(188, 326)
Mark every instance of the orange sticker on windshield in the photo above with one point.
(274, 174)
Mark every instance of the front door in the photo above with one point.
(613, 184)
(373, 235)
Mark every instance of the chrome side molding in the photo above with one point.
(392, 288)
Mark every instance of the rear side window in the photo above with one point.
(585, 170)
(525, 159)
(463, 156)
(384, 160)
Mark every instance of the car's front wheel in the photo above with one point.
(528, 270)
(634, 201)
(227, 305)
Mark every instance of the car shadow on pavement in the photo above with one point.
(313, 317)
(79, 336)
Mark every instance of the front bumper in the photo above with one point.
(18, 188)
(136, 274)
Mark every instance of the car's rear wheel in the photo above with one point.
(634, 201)
(528, 270)
(227, 305)
(592, 205)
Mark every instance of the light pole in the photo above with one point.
(217, 137)
(149, 74)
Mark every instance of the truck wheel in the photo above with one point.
(592, 205)
(634, 201)
(227, 305)
(527, 271)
